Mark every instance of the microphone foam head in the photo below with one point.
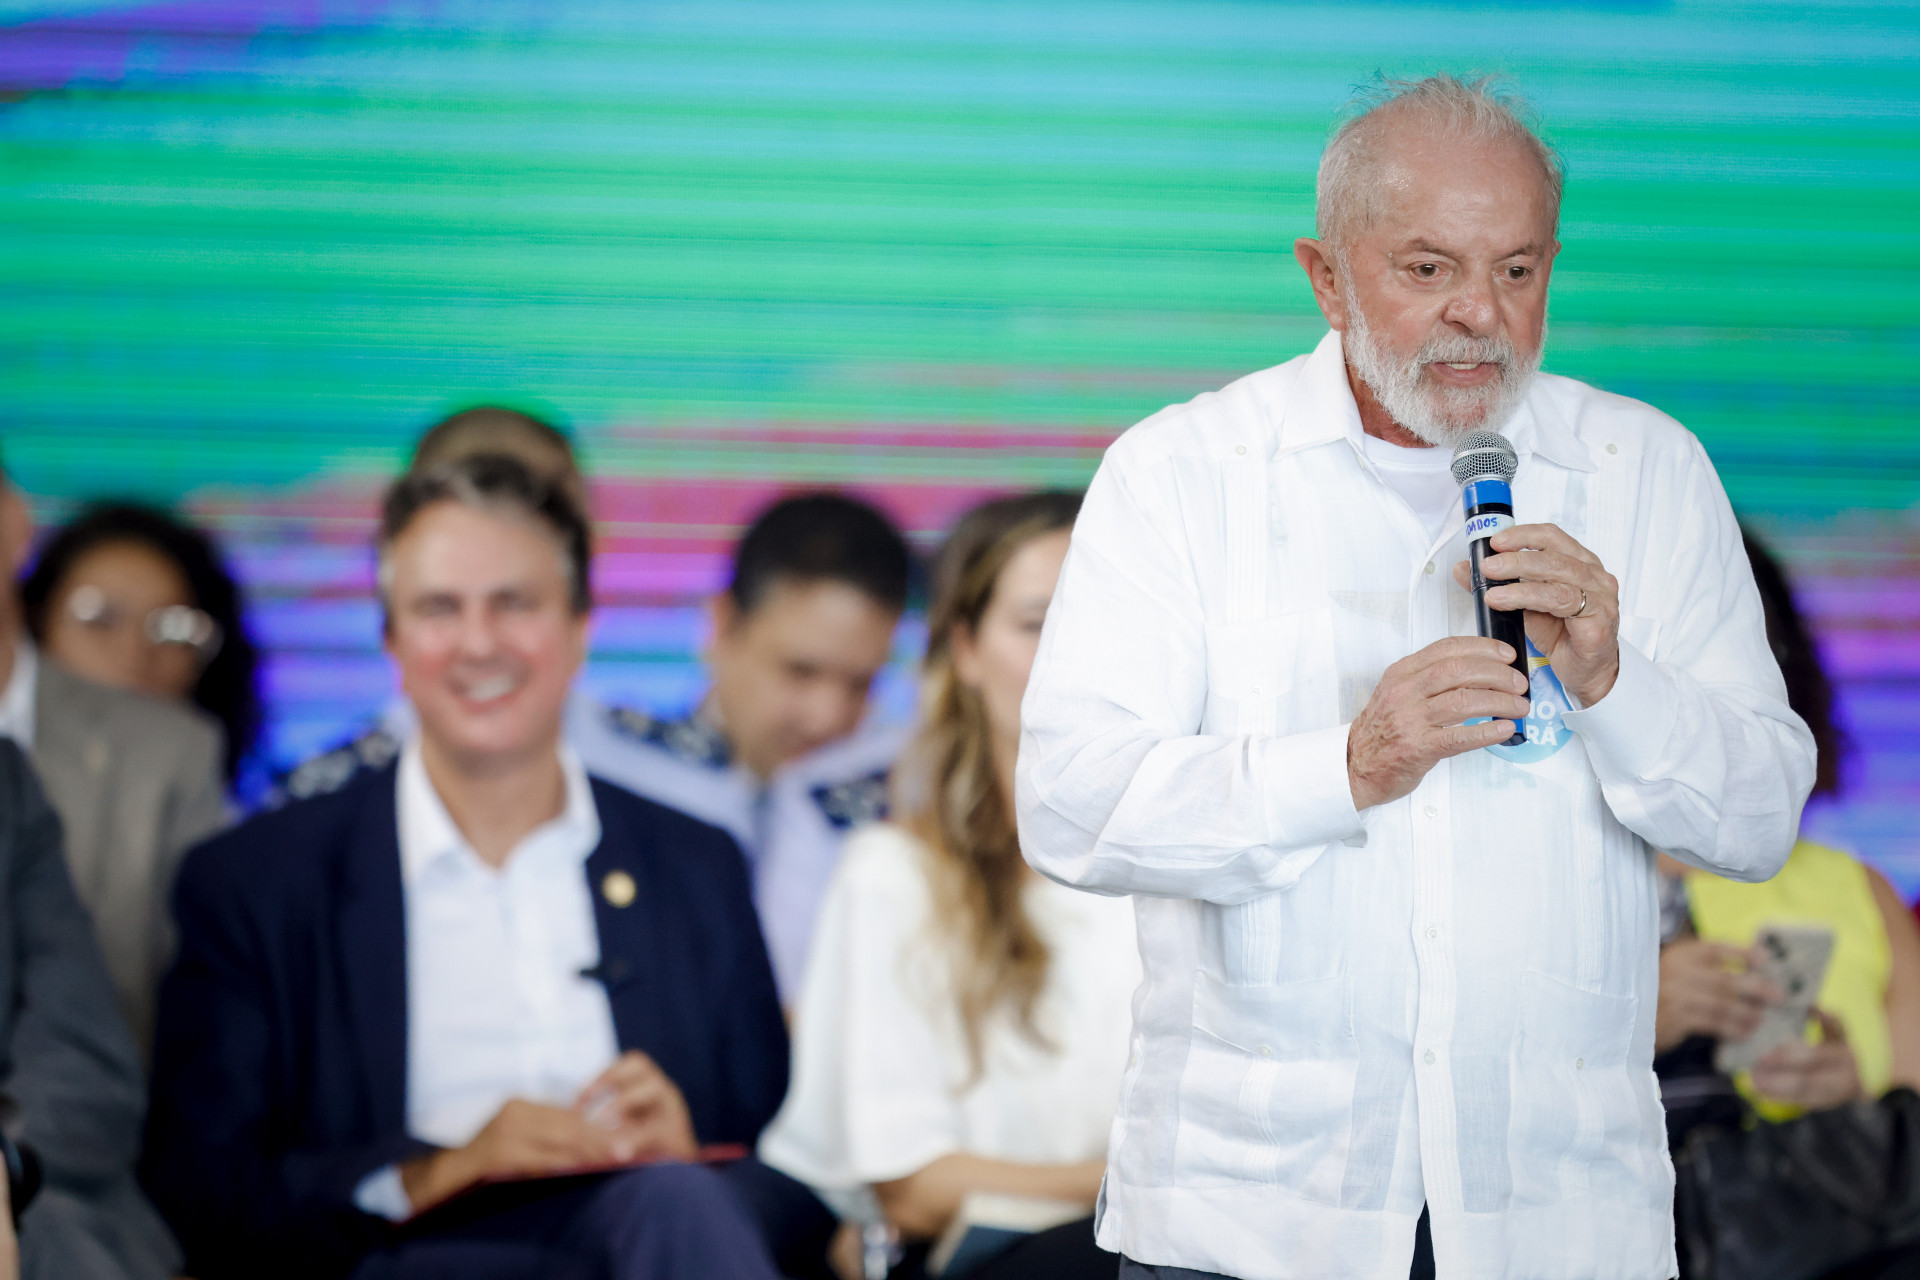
(1484, 455)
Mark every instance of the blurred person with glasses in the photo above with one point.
(134, 778)
(133, 598)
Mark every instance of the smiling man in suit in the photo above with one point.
(477, 968)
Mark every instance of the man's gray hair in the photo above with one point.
(1482, 108)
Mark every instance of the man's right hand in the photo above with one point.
(1413, 720)
(523, 1139)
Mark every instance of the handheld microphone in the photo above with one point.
(1483, 466)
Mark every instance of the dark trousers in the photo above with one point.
(660, 1222)
(1422, 1261)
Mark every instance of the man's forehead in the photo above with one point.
(454, 547)
(1424, 194)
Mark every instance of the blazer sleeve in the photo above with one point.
(753, 1056)
(225, 1160)
(73, 1069)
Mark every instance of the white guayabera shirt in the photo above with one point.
(1447, 999)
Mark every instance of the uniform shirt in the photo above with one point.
(497, 1005)
(883, 1084)
(16, 702)
(1449, 998)
(790, 828)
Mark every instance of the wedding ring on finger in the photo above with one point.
(1581, 612)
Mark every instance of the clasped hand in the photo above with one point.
(632, 1111)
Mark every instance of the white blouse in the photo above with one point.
(882, 1082)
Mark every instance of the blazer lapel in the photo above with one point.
(371, 941)
(72, 753)
(625, 912)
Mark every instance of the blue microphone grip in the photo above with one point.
(1489, 506)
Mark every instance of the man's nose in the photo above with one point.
(1474, 308)
(828, 711)
(477, 636)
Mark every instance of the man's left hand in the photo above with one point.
(1572, 603)
(642, 1108)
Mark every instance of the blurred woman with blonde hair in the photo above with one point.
(963, 1024)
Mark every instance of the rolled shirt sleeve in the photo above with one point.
(1118, 789)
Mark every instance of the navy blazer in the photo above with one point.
(280, 1057)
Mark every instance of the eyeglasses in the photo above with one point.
(173, 624)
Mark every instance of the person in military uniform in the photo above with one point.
(781, 751)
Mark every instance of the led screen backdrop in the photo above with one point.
(931, 252)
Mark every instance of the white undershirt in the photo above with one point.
(1422, 477)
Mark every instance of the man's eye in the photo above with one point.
(1426, 270)
(1519, 273)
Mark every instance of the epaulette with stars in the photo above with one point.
(687, 738)
(331, 770)
(855, 802)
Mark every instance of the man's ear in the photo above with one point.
(1317, 261)
(722, 615)
(16, 530)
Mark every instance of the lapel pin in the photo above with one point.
(619, 889)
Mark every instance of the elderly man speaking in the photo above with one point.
(1399, 997)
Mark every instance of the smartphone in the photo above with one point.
(1793, 957)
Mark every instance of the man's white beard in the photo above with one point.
(1438, 413)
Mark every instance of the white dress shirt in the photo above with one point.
(496, 1005)
(790, 827)
(882, 1082)
(16, 702)
(1447, 999)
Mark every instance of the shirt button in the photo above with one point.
(1433, 811)
(1266, 1051)
(1429, 1057)
(1613, 448)
(1429, 568)
(1239, 448)
(1256, 691)
(1579, 1064)
(1433, 931)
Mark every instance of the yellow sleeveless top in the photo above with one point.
(1817, 886)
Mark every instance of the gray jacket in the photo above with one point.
(136, 783)
(67, 1065)
(65, 1058)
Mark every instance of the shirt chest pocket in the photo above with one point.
(1272, 675)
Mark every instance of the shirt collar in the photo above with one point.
(1323, 409)
(16, 701)
(429, 836)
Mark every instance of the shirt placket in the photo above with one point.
(1430, 822)
(521, 926)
